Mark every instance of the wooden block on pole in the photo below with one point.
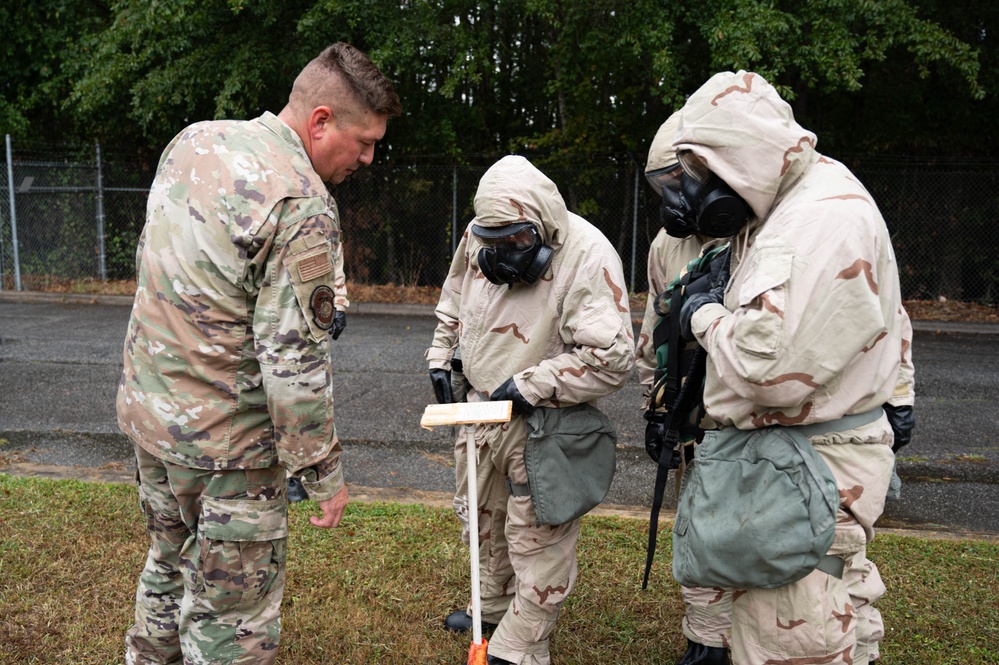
(464, 413)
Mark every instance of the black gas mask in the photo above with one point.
(700, 202)
(512, 253)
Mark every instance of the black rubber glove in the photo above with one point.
(339, 323)
(902, 422)
(441, 378)
(508, 391)
(707, 289)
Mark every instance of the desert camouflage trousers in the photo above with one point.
(526, 571)
(211, 589)
(819, 618)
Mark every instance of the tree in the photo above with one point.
(37, 40)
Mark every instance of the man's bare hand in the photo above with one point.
(332, 510)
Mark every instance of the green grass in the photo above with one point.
(375, 589)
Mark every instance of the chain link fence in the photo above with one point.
(75, 213)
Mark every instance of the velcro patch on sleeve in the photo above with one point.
(321, 304)
(314, 266)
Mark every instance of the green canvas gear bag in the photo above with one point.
(570, 458)
(758, 508)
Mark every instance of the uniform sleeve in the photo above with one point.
(341, 302)
(645, 352)
(291, 322)
(795, 321)
(905, 387)
(596, 325)
(448, 307)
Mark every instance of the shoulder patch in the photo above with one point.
(321, 304)
(314, 266)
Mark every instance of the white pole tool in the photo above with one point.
(469, 414)
(473, 530)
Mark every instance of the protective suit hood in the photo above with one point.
(747, 136)
(514, 190)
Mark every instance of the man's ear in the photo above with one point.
(321, 121)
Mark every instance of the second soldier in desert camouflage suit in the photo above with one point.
(707, 610)
(809, 328)
(226, 386)
(563, 338)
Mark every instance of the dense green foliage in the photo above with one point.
(560, 78)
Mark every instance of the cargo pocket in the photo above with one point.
(312, 278)
(764, 297)
(243, 546)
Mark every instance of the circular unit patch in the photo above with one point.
(321, 304)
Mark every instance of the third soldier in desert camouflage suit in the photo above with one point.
(226, 386)
(547, 326)
(809, 328)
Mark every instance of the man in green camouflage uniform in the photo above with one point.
(808, 328)
(537, 302)
(226, 386)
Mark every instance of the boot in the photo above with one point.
(296, 492)
(699, 654)
(460, 621)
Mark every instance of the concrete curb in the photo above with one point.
(409, 496)
(408, 309)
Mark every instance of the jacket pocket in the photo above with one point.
(762, 297)
(243, 550)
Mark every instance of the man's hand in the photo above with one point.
(339, 323)
(508, 391)
(902, 421)
(332, 510)
(441, 379)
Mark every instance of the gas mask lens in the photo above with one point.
(694, 166)
(519, 237)
(666, 177)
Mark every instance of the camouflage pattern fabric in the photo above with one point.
(526, 571)
(667, 257)
(211, 589)
(812, 328)
(566, 340)
(239, 274)
(226, 383)
(707, 619)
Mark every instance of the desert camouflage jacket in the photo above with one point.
(226, 361)
(567, 339)
(813, 326)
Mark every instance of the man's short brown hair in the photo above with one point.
(344, 78)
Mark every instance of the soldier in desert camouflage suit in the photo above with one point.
(226, 386)
(809, 328)
(563, 338)
(707, 618)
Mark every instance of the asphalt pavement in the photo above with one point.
(61, 356)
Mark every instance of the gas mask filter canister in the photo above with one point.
(700, 202)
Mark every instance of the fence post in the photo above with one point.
(101, 262)
(454, 209)
(13, 216)
(634, 231)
